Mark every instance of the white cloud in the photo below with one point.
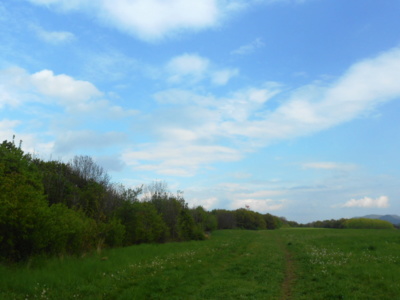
(185, 66)
(314, 108)
(367, 202)
(53, 37)
(192, 68)
(149, 19)
(63, 86)
(257, 200)
(249, 48)
(18, 87)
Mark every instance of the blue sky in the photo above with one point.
(288, 106)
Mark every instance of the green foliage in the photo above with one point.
(66, 231)
(340, 223)
(114, 233)
(205, 220)
(169, 207)
(188, 230)
(363, 223)
(149, 225)
(272, 222)
(226, 219)
(142, 223)
(247, 219)
(23, 205)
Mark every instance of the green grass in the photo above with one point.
(231, 265)
(345, 264)
(324, 264)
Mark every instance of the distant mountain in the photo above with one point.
(394, 219)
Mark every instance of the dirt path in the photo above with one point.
(290, 275)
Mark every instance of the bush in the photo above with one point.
(363, 223)
(66, 231)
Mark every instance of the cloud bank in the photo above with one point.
(367, 202)
(244, 120)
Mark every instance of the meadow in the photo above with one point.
(232, 264)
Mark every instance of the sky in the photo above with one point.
(288, 106)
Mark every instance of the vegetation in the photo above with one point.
(297, 263)
(363, 223)
(56, 208)
(54, 215)
(344, 264)
(355, 223)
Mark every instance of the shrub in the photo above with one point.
(364, 223)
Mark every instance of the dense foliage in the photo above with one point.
(52, 207)
(363, 223)
(355, 223)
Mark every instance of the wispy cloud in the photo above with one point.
(87, 139)
(53, 37)
(249, 48)
(193, 68)
(178, 160)
(185, 66)
(367, 202)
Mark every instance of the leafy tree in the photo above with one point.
(187, 229)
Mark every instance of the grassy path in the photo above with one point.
(290, 275)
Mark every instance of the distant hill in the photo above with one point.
(394, 219)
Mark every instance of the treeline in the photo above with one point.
(355, 223)
(247, 219)
(52, 208)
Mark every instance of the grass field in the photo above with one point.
(281, 264)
